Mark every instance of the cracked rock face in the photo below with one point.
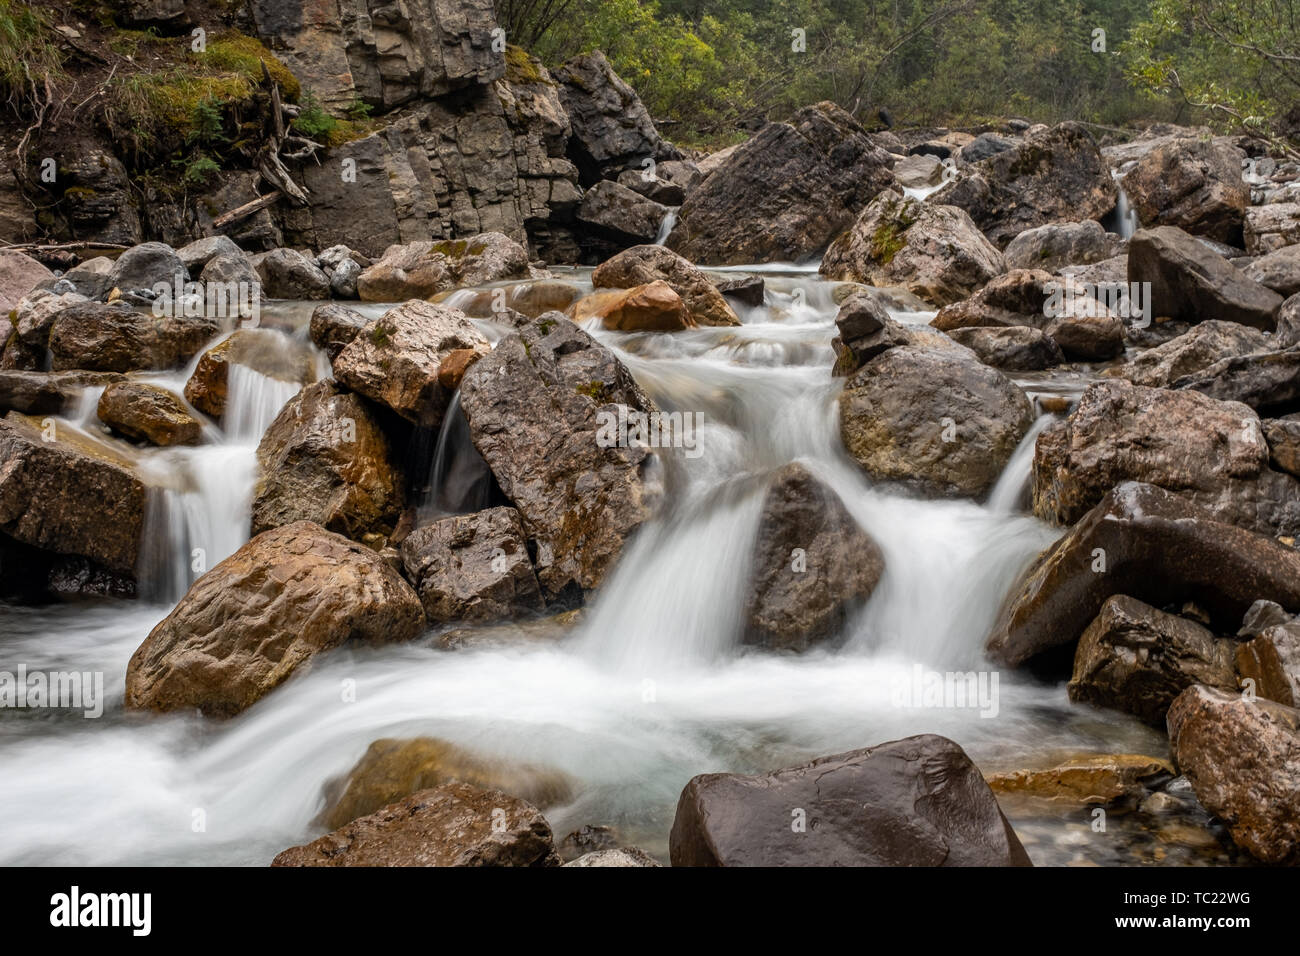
(533, 406)
(383, 53)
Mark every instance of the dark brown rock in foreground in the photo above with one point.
(913, 802)
(451, 825)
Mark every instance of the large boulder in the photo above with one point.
(382, 56)
(935, 251)
(1192, 282)
(395, 361)
(1083, 327)
(1272, 227)
(1272, 661)
(19, 274)
(936, 420)
(644, 264)
(148, 413)
(260, 350)
(612, 128)
(1279, 271)
(532, 406)
(113, 338)
(1268, 382)
(48, 393)
(326, 459)
(913, 802)
(784, 194)
(1194, 184)
(393, 769)
(1059, 244)
(334, 326)
(1189, 353)
(812, 565)
(1137, 659)
(1149, 544)
(473, 568)
(867, 329)
(421, 269)
(626, 217)
(1242, 758)
(249, 623)
(1212, 452)
(1052, 175)
(288, 274)
(197, 254)
(452, 825)
(147, 265)
(70, 500)
(1013, 349)
(653, 307)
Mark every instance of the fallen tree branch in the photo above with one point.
(246, 210)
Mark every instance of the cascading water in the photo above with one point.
(666, 226)
(651, 688)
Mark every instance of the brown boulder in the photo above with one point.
(641, 265)
(113, 338)
(644, 308)
(1137, 659)
(419, 270)
(326, 459)
(396, 361)
(68, 498)
(1243, 760)
(812, 565)
(784, 194)
(1194, 184)
(451, 825)
(936, 420)
(1150, 544)
(1093, 780)
(934, 251)
(540, 407)
(472, 568)
(393, 769)
(277, 602)
(1191, 282)
(1211, 452)
(148, 413)
(256, 349)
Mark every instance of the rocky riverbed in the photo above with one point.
(955, 477)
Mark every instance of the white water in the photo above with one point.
(650, 689)
(666, 226)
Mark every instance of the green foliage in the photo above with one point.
(1233, 62)
(313, 121)
(199, 169)
(236, 53)
(714, 65)
(207, 124)
(358, 110)
(28, 49)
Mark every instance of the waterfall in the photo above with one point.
(1123, 219)
(666, 226)
(651, 686)
(459, 480)
(1009, 494)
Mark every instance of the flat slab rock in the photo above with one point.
(913, 802)
(451, 825)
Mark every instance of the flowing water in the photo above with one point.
(651, 687)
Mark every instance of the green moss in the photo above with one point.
(546, 325)
(452, 248)
(234, 52)
(78, 192)
(596, 391)
(380, 335)
(522, 69)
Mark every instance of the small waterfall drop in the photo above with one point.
(666, 226)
